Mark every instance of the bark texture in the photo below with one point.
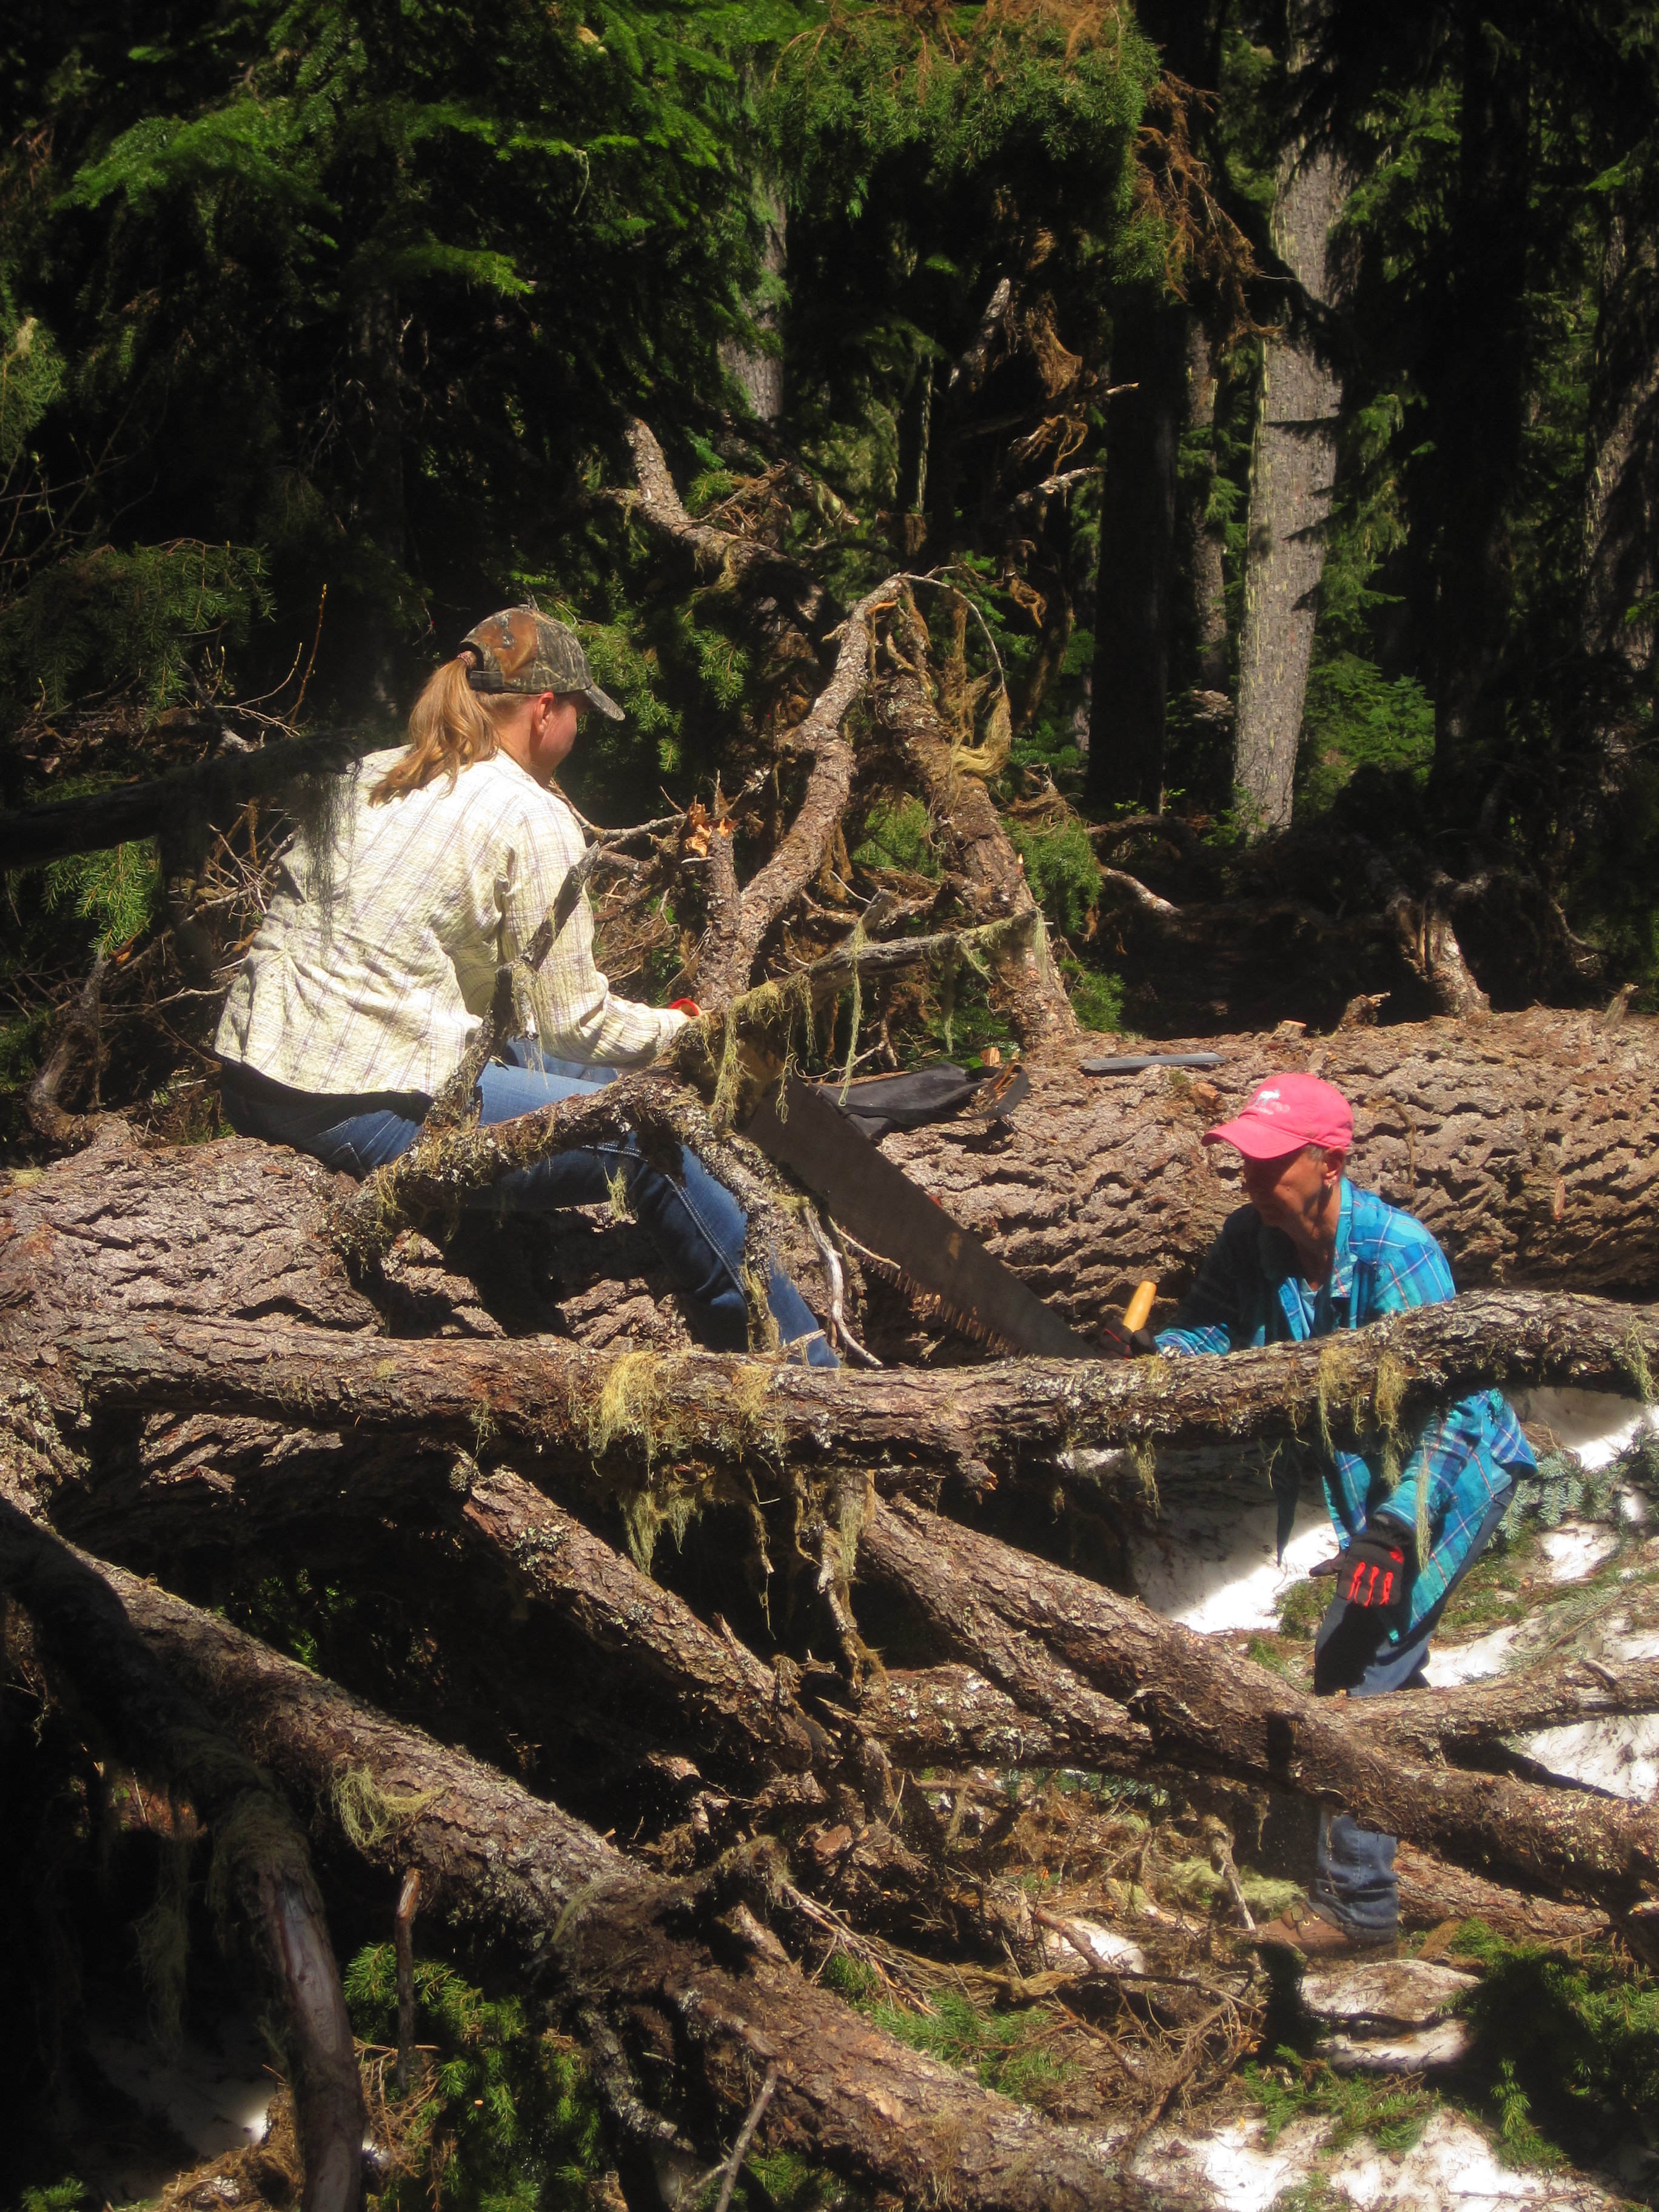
(1431, 1893)
(965, 818)
(1291, 473)
(729, 960)
(908, 1429)
(1522, 1143)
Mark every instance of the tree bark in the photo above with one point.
(729, 959)
(910, 1429)
(758, 374)
(1206, 539)
(1527, 1143)
(1291, 473)
(1432, 1892)
(1428, 1724)
(685, 1979)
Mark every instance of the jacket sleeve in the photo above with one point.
(577, 1014)
(1212, 1316)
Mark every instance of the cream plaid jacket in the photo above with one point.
(377, 959)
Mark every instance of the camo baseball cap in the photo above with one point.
(521, 650)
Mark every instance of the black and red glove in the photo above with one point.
(1373, 1570)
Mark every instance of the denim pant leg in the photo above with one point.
(1354, 1882)
(696, 1224)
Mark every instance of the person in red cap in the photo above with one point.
(1308, 1255)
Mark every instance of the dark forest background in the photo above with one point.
(1276, 388)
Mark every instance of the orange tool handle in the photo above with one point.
(1139, 1307)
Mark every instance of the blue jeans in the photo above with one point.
(696, 1224)
(1354, 1883)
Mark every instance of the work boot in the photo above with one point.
(1305, 1929)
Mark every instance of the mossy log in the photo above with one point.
(666, 1422)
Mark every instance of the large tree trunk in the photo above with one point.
(1527, 1143)
(1291, 473)
(1205, 537)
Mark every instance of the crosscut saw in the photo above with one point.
(875, 1202)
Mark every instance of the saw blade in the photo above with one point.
(881, 1206)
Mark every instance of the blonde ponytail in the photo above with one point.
(450, 726)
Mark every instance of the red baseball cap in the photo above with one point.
(1287, 1112)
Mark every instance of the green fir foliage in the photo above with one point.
(1002, 2048)
(500, 2117)
(1062, 871)
(1572, 2044)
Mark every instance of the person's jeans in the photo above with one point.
(696, 1224)
(1354, 1882)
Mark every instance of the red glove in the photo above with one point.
(1372, 1571)
(686, 1007)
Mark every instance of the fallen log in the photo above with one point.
(1427, 1722)
(684, 1978)
(1529, 1143)
(909, 1428)
(1431, 1893)
(1207, 1710)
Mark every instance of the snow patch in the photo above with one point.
(1115, 1953)
(1230, 2166)
(1451, 2168)
(1448, 1664)
(1620, 1754)
(1576, 1549)
(216, 2099)
(1597, 1424)
(1209, 1561)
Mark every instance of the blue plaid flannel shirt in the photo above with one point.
(1249, 1290)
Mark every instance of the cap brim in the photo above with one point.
(602, 700)
(1257, 1141)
